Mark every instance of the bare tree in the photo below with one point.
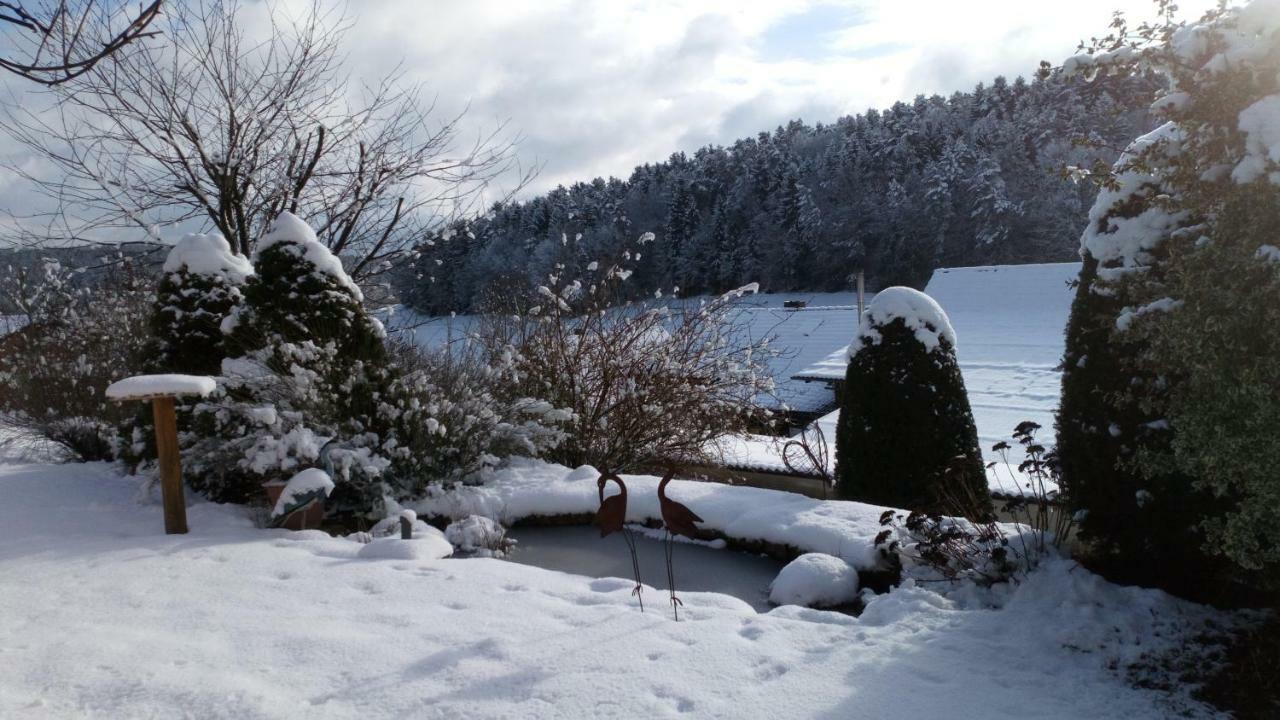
(232, 121)
(61, 41)
(647, 383)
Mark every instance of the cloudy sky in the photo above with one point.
(596, 87)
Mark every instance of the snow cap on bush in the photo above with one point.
(289, 228)
(815, 580)
(919, 312)
(207, 255)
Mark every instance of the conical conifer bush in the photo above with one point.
(906, 436)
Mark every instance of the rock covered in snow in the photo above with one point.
(289, 228)
(207, 255)
(919, 312)
(815, 580)
(477, 535)
(141, 387)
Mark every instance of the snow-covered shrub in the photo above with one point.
(645, 382)
(937, 547)
(815, 580)
(478, 536)
(1182, 304)
(456, 415)
(306, 381)
(78, 337)
(906, 431)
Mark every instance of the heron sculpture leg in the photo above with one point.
(638, 591)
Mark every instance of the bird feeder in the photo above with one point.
(161, 391)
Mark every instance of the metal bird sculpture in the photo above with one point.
(612, 517)
(678, 520)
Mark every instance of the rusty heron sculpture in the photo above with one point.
(678, 520)
(612, 517)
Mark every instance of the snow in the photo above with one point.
(530, 489)
(142, 387)
(289, 228)
(1269, 253)
(815, 580)
(427, 543)
(1260, 122)
(1123, 243)
(919, 312)
(103, 615)
(308, 481)
(207, 255)
(1126, 317)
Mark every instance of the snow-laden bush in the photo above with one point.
(77, 338)
(313, 382)
(906, 436)
(456, 415)
(306, 381)
(815, 580)
(644, 382)
(478, 536)
(1183, 304)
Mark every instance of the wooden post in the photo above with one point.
(175, 506)
(860, 301)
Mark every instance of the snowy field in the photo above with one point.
(102, 615)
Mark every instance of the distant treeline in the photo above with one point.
(975, 178)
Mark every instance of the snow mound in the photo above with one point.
(427, 544)
(476, 535)
(207, 255)
(815, 580)
(921, 314)
(289, 228)
(311, 481)
(141, 387)
(1260, 122)
(582, 473)
(1121, 243)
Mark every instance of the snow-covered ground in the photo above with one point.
(102, 615)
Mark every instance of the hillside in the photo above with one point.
(973, 179)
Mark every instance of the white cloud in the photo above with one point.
(596, 87)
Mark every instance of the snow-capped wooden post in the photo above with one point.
(161, 390)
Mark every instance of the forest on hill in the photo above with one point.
(974, 178)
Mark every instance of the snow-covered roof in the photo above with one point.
(141, 387)
(803, 336)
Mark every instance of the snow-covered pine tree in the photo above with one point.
(906, 436)
(199, 289)
(306, 382)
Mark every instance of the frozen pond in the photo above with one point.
(698, 568)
